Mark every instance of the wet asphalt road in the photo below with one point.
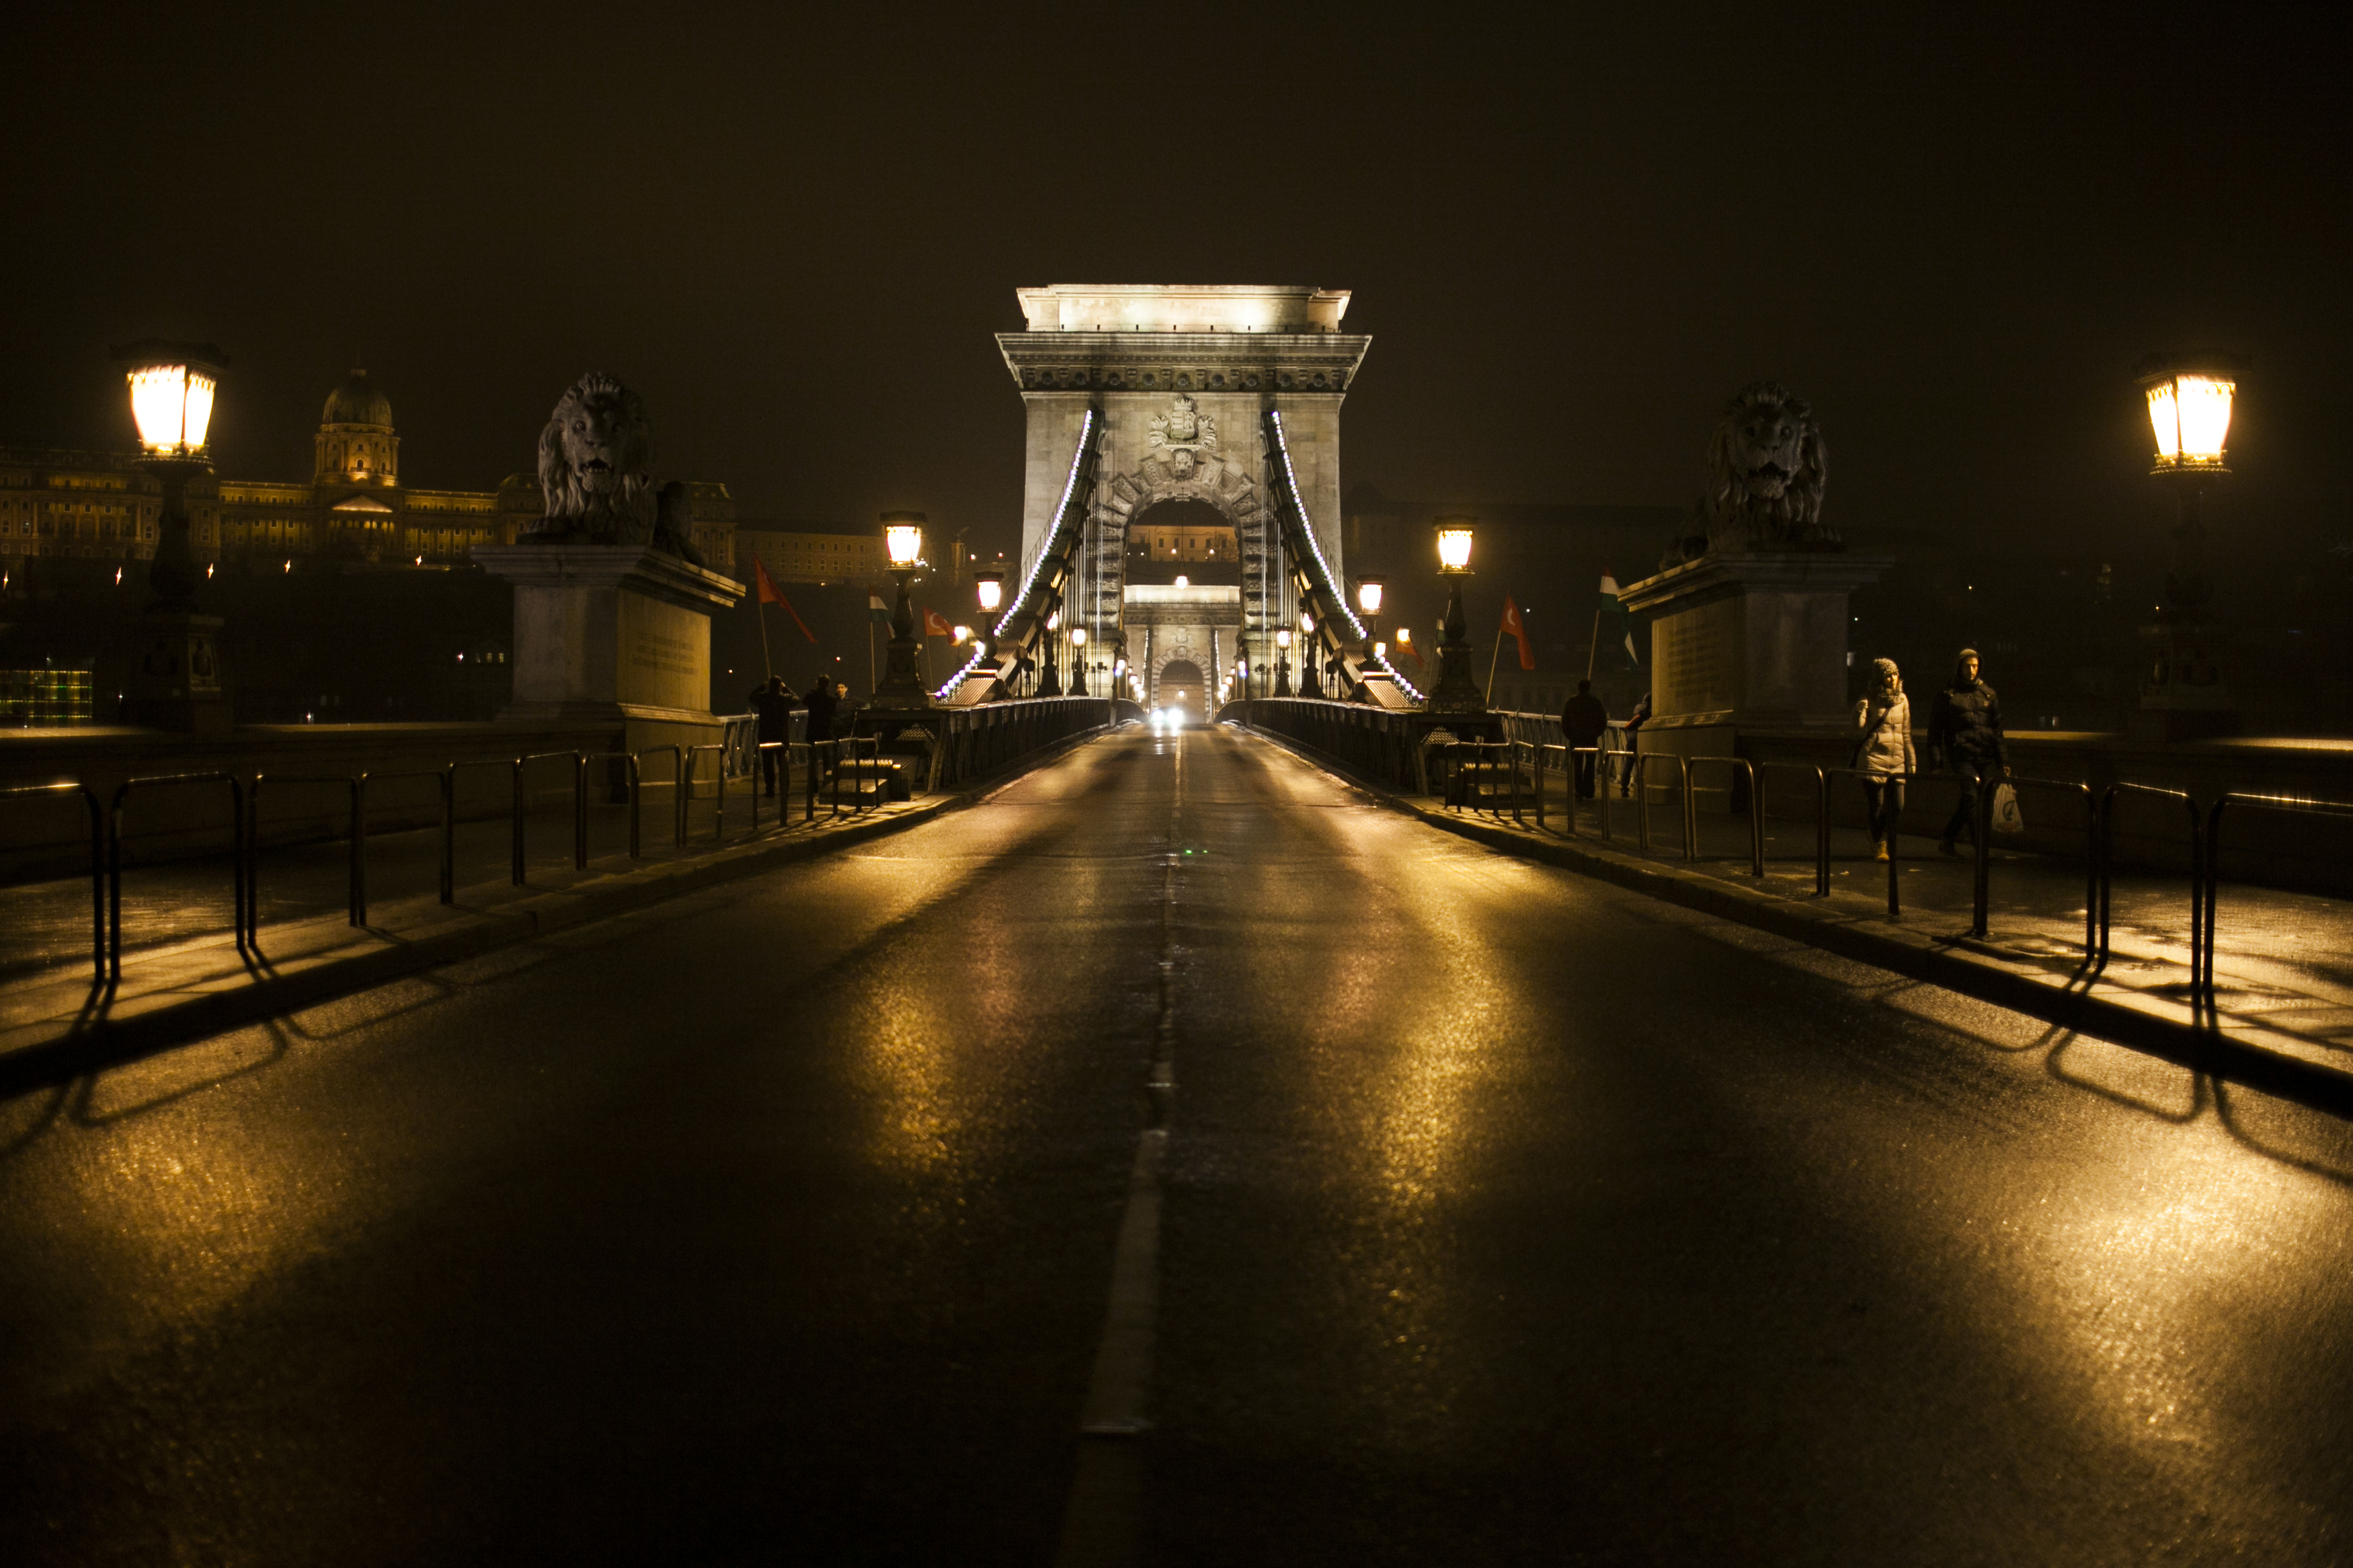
(1504, 1218)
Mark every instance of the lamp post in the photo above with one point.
(1078, 661)
(1368, 602)
(1282, 662)
(1311, 653)
(2189, 403)
(1457, 690)
(1049, 683)
(902, 684)
(178, 684)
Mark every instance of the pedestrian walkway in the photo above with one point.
(2283, 964)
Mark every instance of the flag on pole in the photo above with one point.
(1518, 628)
(935, 624)
(772, 595)
(1614, 612)
(876, 610)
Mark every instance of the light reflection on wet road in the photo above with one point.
(1508, 1217)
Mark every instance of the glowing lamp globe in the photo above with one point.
(902, 536)
(1368, 594)
(1306, 622)
(1454, 544)
(1283, 639)
(990, 585)
(1405, 636)
(171, 388)
(2190, 414)
(963, 633)
(1078, 636)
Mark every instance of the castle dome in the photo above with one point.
(356, 402)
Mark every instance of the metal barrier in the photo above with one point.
(240, 852)
(1642, 760)
(2213, 878)
(719, 801)
(1569, 772)
(97, 859)
(677, 795)
(1981, 876)
(1821, 817)
(518, 858)
(356, 892)
(445, 779)
(1756, 812)
(2197, 865)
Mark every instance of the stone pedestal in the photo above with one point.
(177, 684)
(615, 634)
(1752, 638)
(2182, 696)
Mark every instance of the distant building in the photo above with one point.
(807, 556)
(63, 502)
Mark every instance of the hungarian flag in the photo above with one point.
(1613, 615)
(1518, 628)
(935, 624)
(772, 595)
(876, 610)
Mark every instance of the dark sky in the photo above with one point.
(1571, 234)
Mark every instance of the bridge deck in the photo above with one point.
(1500, 1215)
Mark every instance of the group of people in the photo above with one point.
(774, 703)
(1965, 740)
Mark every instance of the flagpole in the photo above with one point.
(1593, 648)
(760, 612)
(1496, 658)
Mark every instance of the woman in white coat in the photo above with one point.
(1884, 753)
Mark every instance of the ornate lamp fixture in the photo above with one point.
(1282, 662)
(178, 684)
(2189, 414)
(1049, 684)
(1457, 690)
(902, 684)
(990, 587)
(1311, 654)
(1369, 601)
(1078, 661)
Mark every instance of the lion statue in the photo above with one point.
(593, 462)
(1767, 466)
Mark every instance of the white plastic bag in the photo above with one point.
(2006, 815)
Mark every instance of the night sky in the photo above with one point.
(1570, 237)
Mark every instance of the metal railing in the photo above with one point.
(2290, 804)
(1822, 817)
(1642, 760)
(2107, 823)
(97, 862)
(240, 851)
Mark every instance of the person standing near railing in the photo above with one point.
(1583, 722)
(1965, 735)
(1886, 751)
(773, 701)
(1634, 722)
(822, 702)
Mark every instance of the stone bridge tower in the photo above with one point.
(1182, 375)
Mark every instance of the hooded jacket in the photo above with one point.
(1884, 720)
(1965, 721)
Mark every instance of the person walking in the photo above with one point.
(1634, 722)
(1583, 721)
(1965, 737)
(773, 701)
(1884, 753)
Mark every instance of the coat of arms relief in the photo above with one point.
(1184, 433)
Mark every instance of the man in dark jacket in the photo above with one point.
(822, 703)
(774, 703)
(1583, 721)
(1964, 736)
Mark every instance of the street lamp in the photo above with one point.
(2189, 400)
(178, 682)
(1310, 655)
(1078, 661)
(1283, 661)
(1457, 690)
(1049, 683)
(990, 586)
(1368, 602)
(903, 676)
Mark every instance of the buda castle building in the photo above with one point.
(353, 508)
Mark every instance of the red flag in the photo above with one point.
(772, 595)
(935, 624)
(1514, 625)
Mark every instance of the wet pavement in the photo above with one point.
(1504, 1216)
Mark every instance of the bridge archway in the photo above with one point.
(1179, 684)
(1171, 387)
